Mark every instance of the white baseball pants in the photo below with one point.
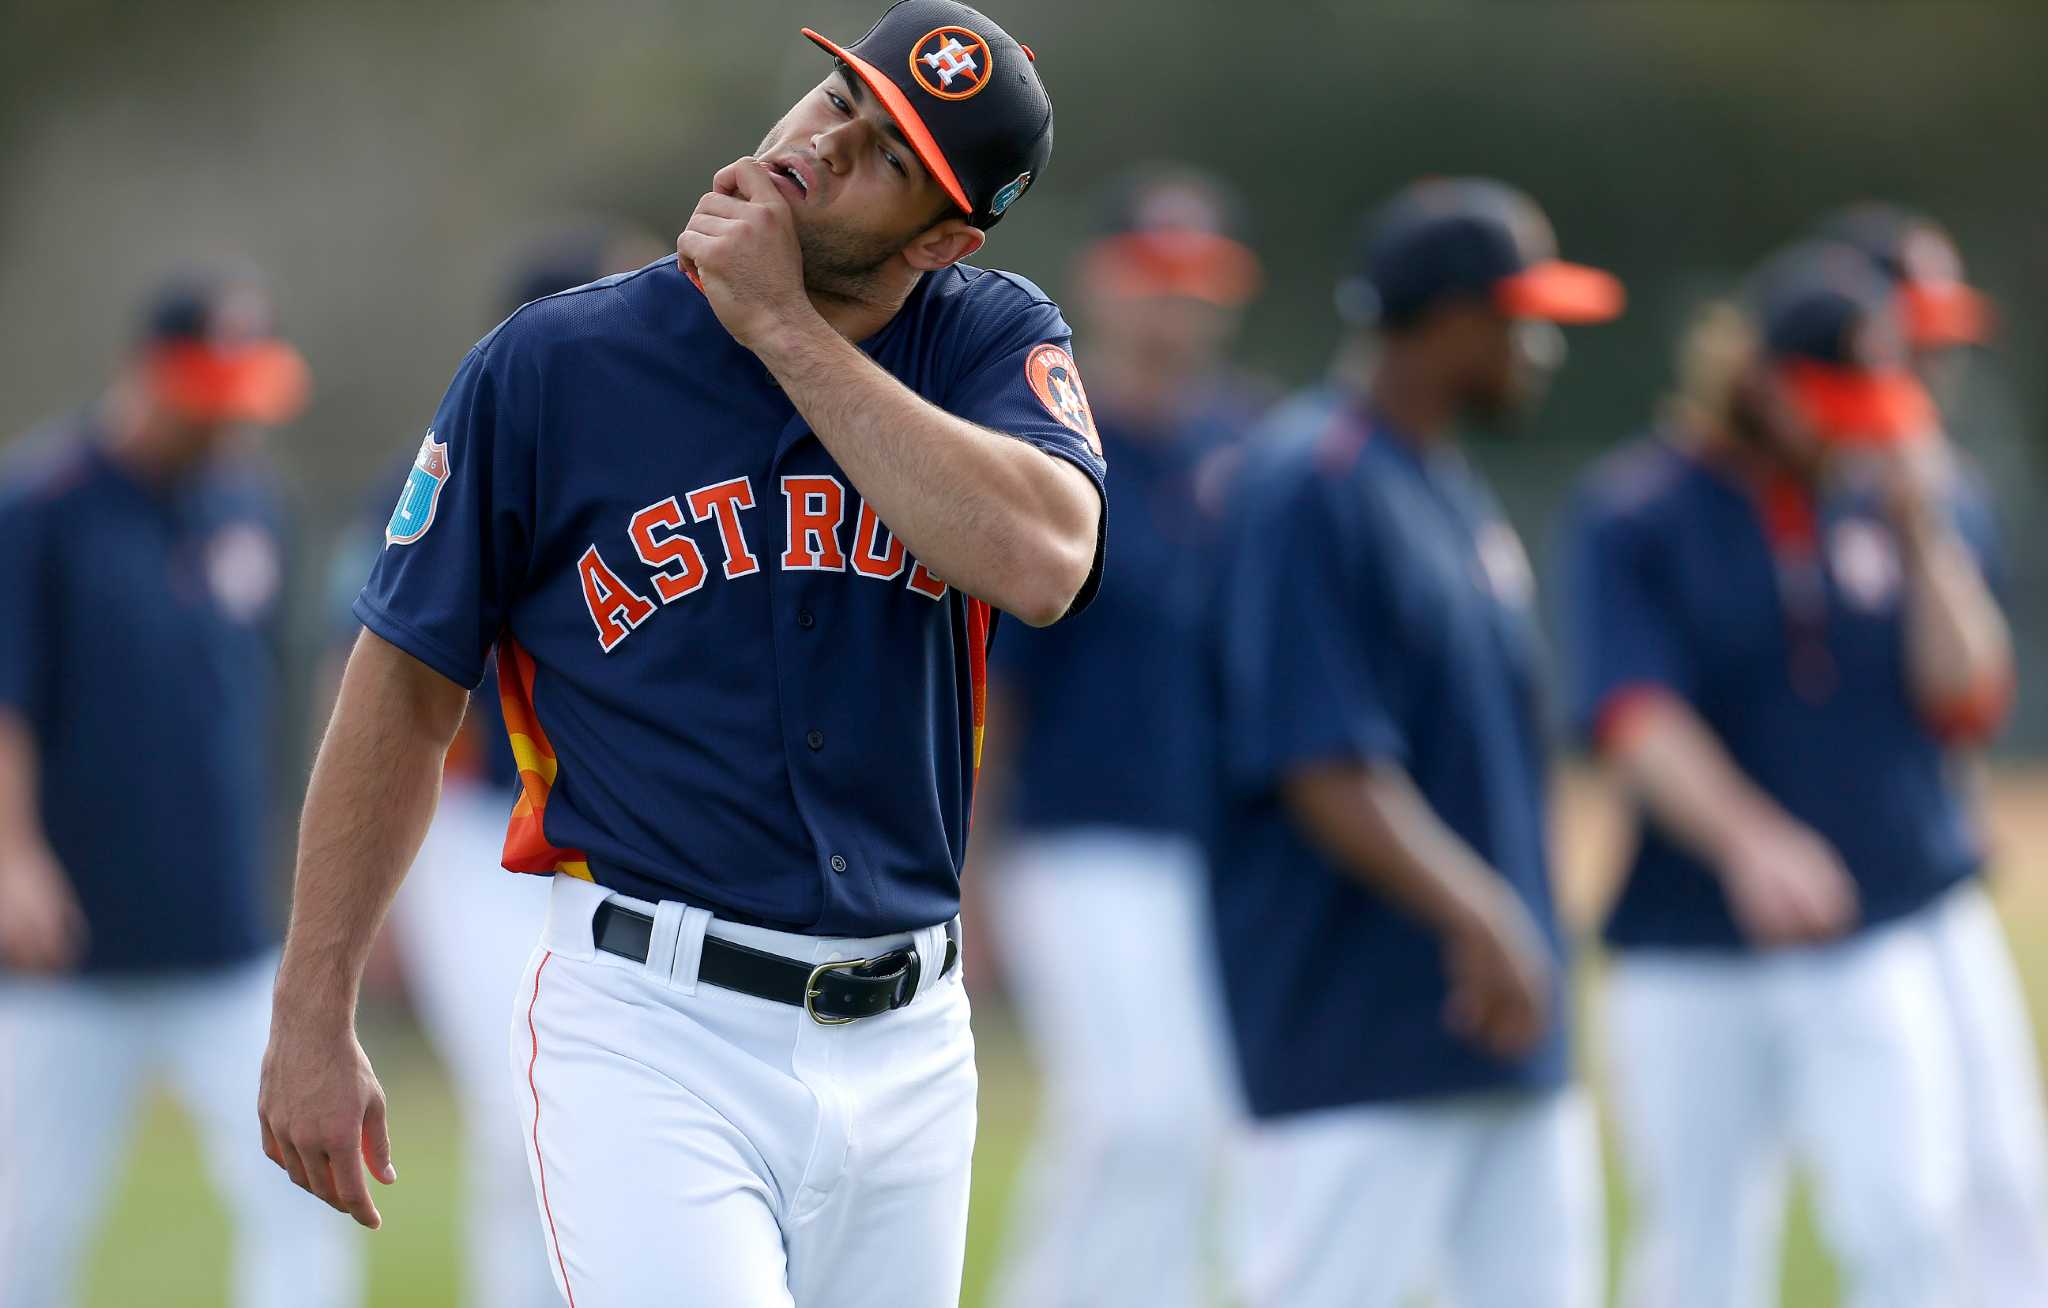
(464, 927)
(1486, 1201)
(696, 1147)
(75, 1055)
(1105, 941)
(1895, 1066)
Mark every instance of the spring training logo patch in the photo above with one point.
(1057, 384)
(422, 493)
(1008, 195)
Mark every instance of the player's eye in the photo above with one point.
(839, 104)
(896, 163)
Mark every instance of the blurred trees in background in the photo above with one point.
(382, 161)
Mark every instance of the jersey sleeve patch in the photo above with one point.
(1056, 381)
(421, 494)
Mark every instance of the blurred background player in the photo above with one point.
(141, 565)
(1785, 629)
(463, 982)
(1108, 758)
(1391, 951)
(2005, 1189)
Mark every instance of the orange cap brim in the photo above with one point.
(264, 381)
(1561, 292)
(1943, 314)
(900, 109)
(1188, 264)
(1847, 406)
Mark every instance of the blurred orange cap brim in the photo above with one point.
(1851, 407)
(1556, 291)
(264, 381)
(1940, 315)
(1182, 264)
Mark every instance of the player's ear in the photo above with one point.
(943, 244)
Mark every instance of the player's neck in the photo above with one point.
(1422, 412)
(1147, 399)
(859, 313)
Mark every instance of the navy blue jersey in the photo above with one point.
(1110, 707)
(139, 641)
(481, 753)
(724, 679)
(1380, 613)
(1680, 580)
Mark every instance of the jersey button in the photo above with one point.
(805, 620)
(816, 740)
(839, 862)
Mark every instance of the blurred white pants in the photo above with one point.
(694, 1147)
(1483, 1201)
(2005, 1188)
(1105, 940)
(75, 1055)
(464, 928)
(1848, 1057)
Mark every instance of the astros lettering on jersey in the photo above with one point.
(618, 496)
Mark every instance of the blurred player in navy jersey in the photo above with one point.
(2005, 1192)
(463, 982)
(1390, 944)
(1099, 726)
(141, 567)
(1786, 640)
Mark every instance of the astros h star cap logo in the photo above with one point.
(966, 95)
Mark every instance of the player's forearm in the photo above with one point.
(1375, 824)
(990, 514)
(21, 820)
(1958, 646)
(1682, 774)
(373, 791)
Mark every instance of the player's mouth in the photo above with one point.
(793, 176)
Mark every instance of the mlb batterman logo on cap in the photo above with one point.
(966, 95)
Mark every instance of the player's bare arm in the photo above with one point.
(1374, 823)
(997, 517)
(42, 928)
(1784, 883)
(1958, 646)
(321, 1108)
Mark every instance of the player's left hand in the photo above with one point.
(741, 246)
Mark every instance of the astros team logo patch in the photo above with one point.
(1057, 384)
(951, 62)
(422, 493)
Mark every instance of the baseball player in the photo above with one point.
(460, 986)
(739, 525)
(1110, 791)
(1785, 628)
(1391, 951)
(2005, 1184)
(141, 564)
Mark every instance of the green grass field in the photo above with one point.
(164, 1242)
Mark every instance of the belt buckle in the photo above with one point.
(812, 993)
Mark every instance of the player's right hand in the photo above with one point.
(1500, 972)
(42, 928)
(322, 1110)
(1786, 885)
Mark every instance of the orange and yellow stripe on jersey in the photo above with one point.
(526, 843)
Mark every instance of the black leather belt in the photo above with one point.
(832, 993)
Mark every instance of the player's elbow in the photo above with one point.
(1049, 580)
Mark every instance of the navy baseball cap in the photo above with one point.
(211, 353)
(1173, 231)
(1470, 238)
(966, 96)
(1829, 324)
(1938, 308)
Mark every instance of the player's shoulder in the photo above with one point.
(974, 305)
(1642, 480)
(594, 313)
(46, 464)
